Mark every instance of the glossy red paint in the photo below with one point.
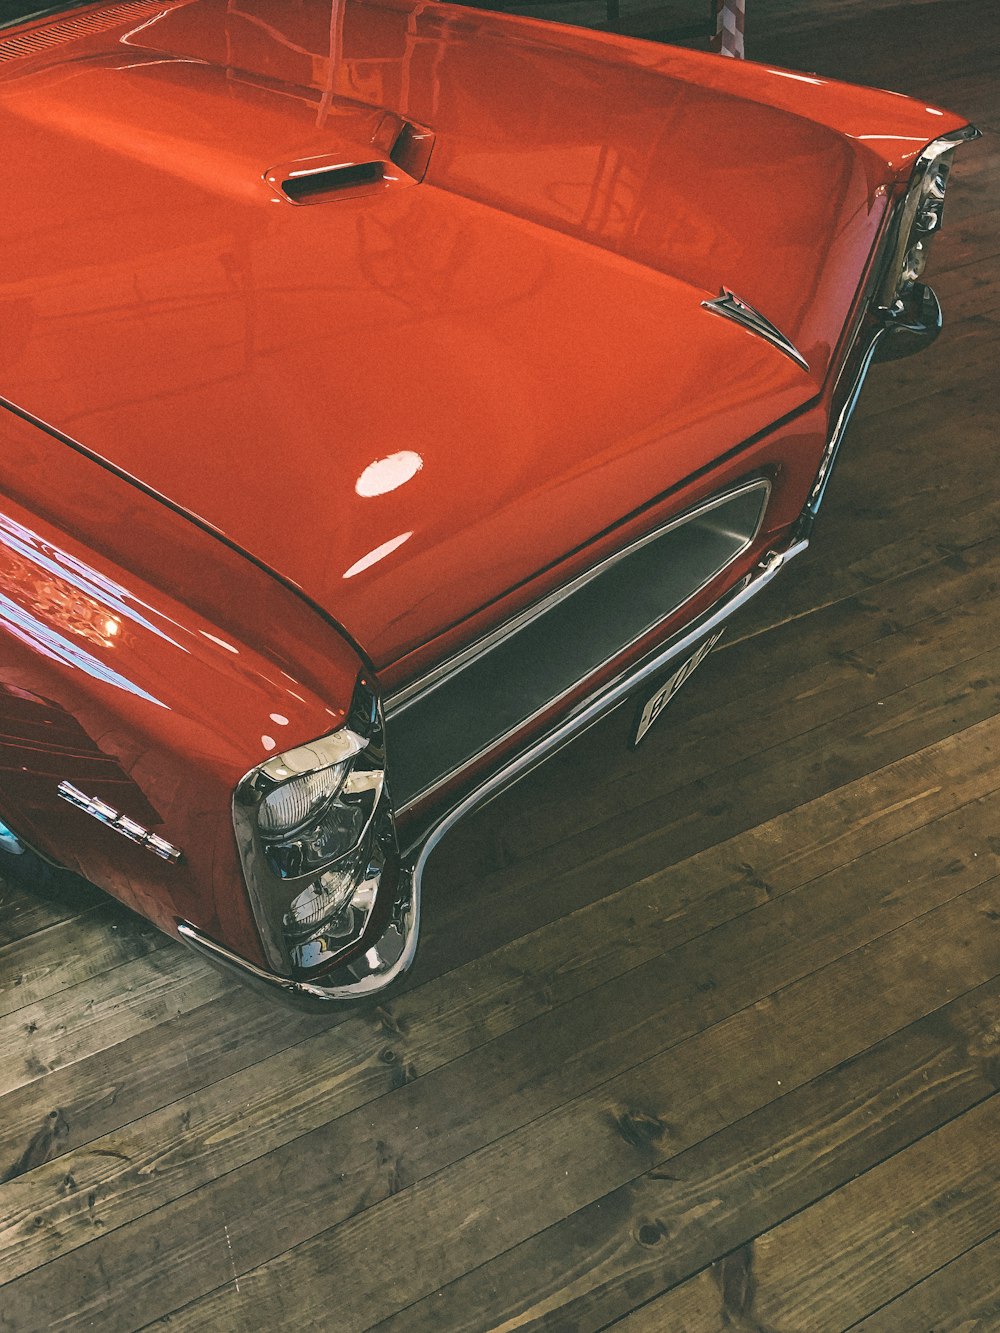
(151, 666)
(524, 327)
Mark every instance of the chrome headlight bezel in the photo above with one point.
(314, 884)
(919, 220)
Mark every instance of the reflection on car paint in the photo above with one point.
(380, 553)
(50, 643)
(388, 474)
(100, 603)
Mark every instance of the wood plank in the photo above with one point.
(855, 39)
(489, 1200)
(72, 951)
(135, 997)
(918, 394)
(27, 908)
(837, 567)
(22, 912)
(142, 1072)
(874, 1238)
(285, 1097)
(961, 1296)
(629, 1246)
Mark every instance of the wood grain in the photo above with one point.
(490, 1201)
(961, 1295)
(712, 1200)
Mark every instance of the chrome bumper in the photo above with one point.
(367, 975)
(911, 329)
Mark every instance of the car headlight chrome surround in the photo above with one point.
(317, 841)
(919, 221)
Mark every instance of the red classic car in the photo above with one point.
(390, 389)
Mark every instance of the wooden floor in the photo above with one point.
(705, 1037)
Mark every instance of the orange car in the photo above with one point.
(390, 389)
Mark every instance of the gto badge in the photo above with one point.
(128, 828)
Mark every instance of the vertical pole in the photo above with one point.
(730, 16)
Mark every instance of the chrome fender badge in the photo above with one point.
(733, 307)
(128, 828)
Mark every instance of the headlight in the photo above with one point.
(919, 221)
(316, 838)
(297, 802)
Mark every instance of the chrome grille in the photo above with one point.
(487, 693)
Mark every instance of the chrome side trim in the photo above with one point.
(423, 685)
(815, 499)
(128, 828)
(733, 307)
(386, 961)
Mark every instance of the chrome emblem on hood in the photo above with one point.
(732, 307)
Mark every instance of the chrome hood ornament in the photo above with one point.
(732, 307)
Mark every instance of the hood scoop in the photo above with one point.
(318, 180)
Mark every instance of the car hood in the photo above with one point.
(412, 396)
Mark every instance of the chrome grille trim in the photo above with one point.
(408, 694)
(499, 686)
(423, 839)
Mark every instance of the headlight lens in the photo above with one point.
(316, 838)
(287, 807)
(919, 220)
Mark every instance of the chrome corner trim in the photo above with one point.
(367, 975)
(373, 972)
(733, 307)
(423, 685)
(326, 752)
(119, 823)
(965, 135)
(891, 327)
(912, 325)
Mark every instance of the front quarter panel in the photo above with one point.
(149, 665)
